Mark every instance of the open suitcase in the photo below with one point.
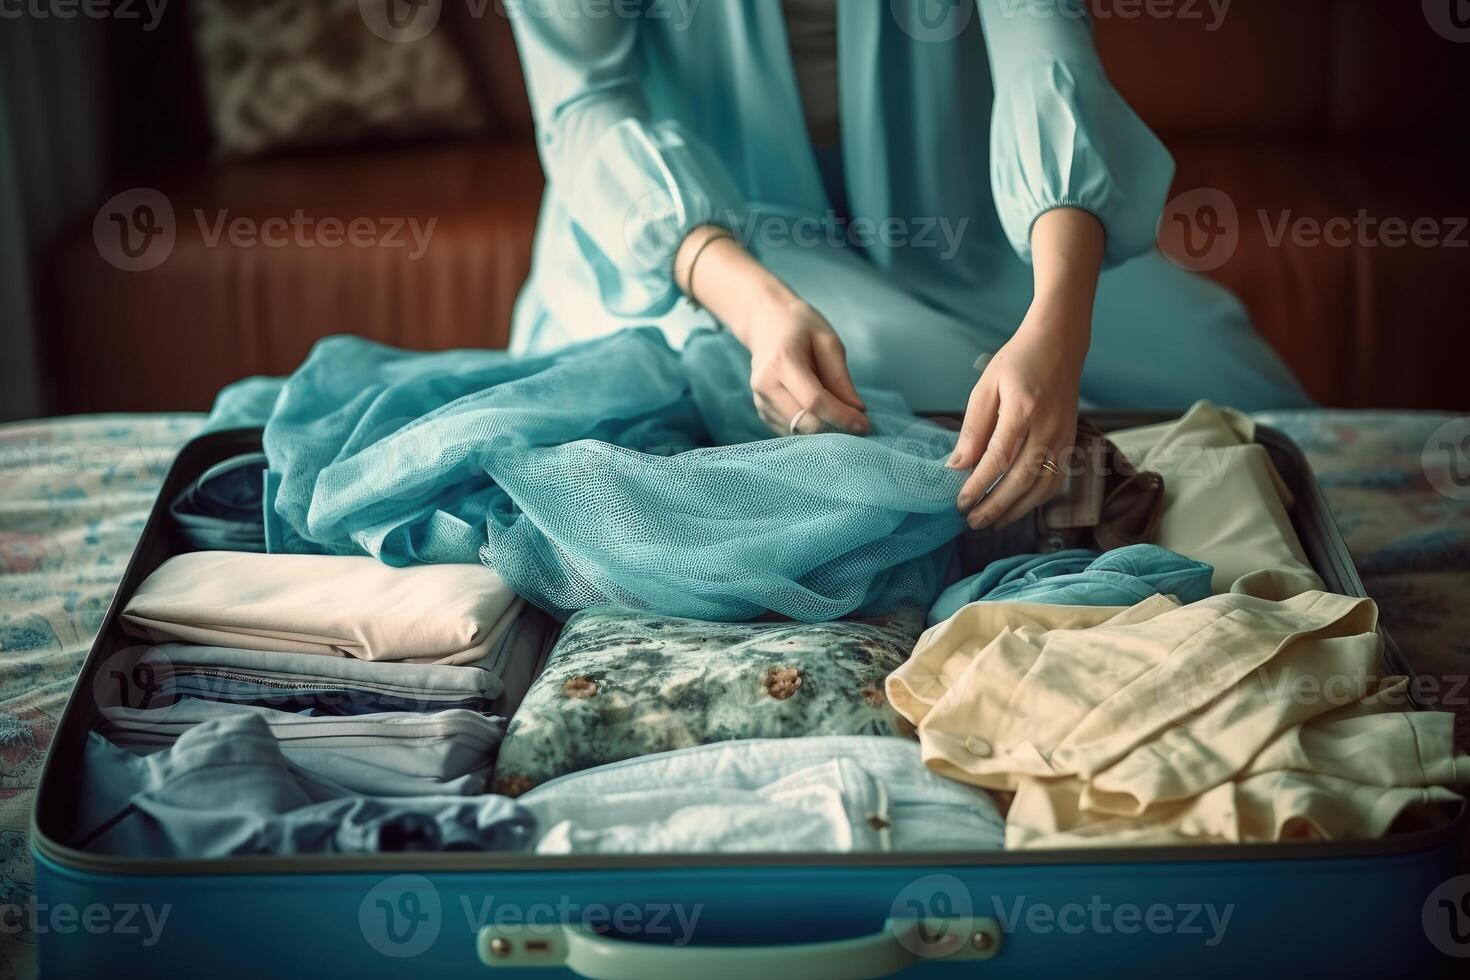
(1301, 909)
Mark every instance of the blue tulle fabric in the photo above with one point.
(616, 470)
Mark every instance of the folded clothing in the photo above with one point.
(1120, 577)
(222, 510)
(337, 606)
(226, 789)
(1233, 719)
(1225, 504)
(399, 753)
(621, 683)
(303, 682)
(826, 794)
(520, 657)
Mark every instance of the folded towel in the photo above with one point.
(340, 606)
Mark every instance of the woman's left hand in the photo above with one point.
(1022, 413)
(1024, 410)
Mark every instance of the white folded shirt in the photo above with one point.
(343, 606)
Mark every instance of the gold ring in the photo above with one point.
(796, 421)
(1050, 465)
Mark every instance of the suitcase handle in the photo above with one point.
(900, 943)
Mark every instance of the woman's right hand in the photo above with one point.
(798, 364)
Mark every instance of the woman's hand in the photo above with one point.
(1023, 412)
(798, 365)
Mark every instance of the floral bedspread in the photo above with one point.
(74, 494)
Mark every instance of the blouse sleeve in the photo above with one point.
(1061, 136)
(634, 184)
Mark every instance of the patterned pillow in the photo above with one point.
(282, 73)
(621, 684)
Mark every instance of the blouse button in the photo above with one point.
(978, 746)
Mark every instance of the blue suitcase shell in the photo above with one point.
(1390, 907)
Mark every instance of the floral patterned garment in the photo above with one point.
(621, 684)
(74, 494)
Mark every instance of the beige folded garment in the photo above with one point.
(337, 606)
(1230, 719)
(1224, 502)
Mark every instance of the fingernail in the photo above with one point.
(954, 460)
(964, 504)
(979, 523)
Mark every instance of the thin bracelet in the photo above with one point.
(722, 233)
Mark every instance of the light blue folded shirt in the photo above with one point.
(225, 788)
(1121, 577)
(830, 793)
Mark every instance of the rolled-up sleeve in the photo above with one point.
(1061, 135)
(634, 185)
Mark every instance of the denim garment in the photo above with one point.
(1121, 577)
(222, 510)
(391, 754)
(827, 793)
(225, 788)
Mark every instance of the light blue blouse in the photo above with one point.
(676, 115)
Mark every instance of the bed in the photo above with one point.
(75, 492)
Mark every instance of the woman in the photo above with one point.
(875, 193)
